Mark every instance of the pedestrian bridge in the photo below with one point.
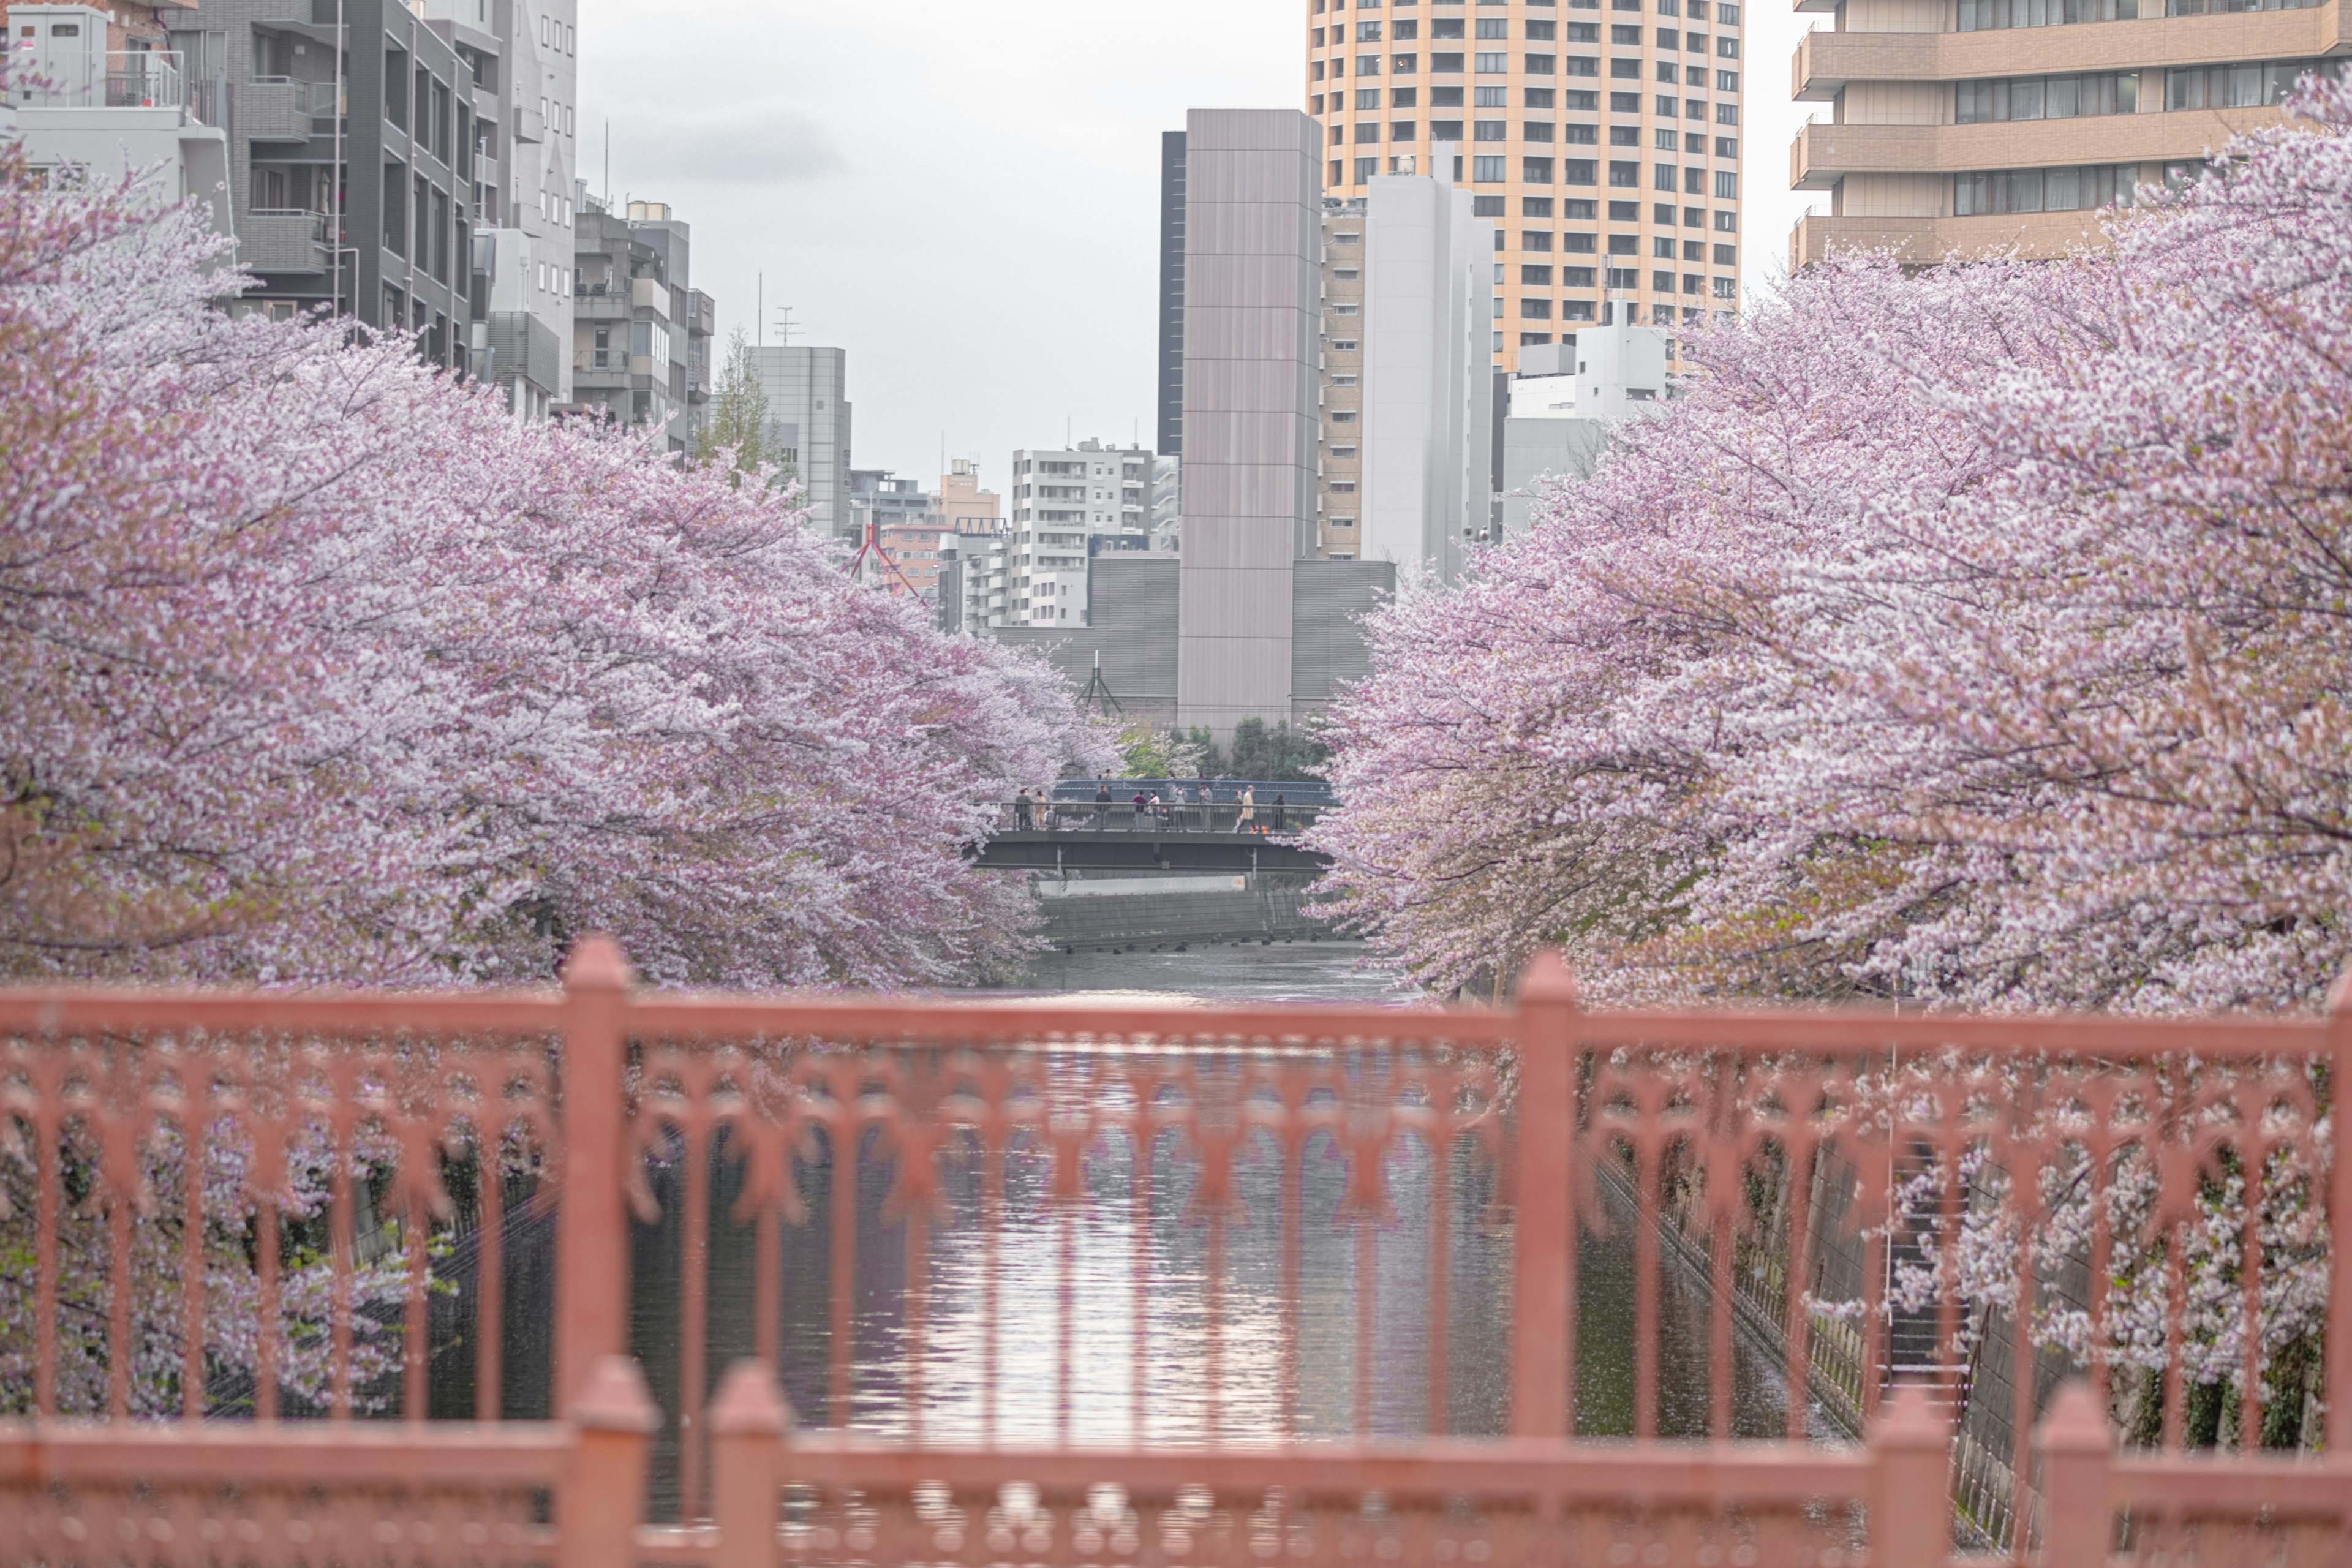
(1066, 836)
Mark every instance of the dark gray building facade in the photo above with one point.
(1172, 167)
(368, 212)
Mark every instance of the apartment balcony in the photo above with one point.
(595, 304)
(1822, 155)
(1924, 241)
(285, 243)
(1826, 61)
(281, 108)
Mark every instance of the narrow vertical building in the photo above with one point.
(807, 390)
(1172, 294)
(1253, 233)
(1960, 127)
(1601, 137)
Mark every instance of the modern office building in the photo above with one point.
(524, 56)
(1602, 137)
(807, 390)
(636, 321)
(1407, 392)
(1962, 126)
(96, 98)
(352, 184)
(1252, 286)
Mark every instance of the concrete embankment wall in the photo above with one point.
(1115, 912)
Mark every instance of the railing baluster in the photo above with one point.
(1291, 1149)
(415, 1351)
(1949, 1152)
(1543, 1288)
(842, 1252)
(693, 1313)
(193, 1289)
(2339, 1218)
(1805, 1161)
(340, 1265)
(1443, 1087)
(1647, 1175)
(119, 1328)
(1139, 1198)
(592, 1253)
(264, 1359)
(489, 1277)
(2250, 1378)
(994, 1135)
(2021, 1370)
(49, 1154)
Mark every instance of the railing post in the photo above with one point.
(1543, 1286)
(613, 1419)
(2078, 1516)
(591, 1247)
(2339, 1220)
(1910, 1489)
(748, 1421)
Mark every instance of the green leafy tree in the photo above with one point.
(1279, 752)
(737, 431)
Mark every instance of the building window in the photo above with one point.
(1576, 310)
(1727, 186)
(1693, 283)
(1534, 309)
(1535, 276)
(1368, 131)
(1538, 64)
(1579, 243)
(1581, 135)
(1727, 16)
(1726, 81)
(1445, 65)
(1536, 239)
(1727, 147)
(1491, 131)
(1625, 70)
(1727, 255)
(1535, 171)
(1403, 131)
(1624, 136)
(1365, 169)
(1485, 206)
(1404, 97)
(1536, 130)
(1727, 223)
(1663, 178)
(1494, 65)
(1494, 27)
(1581, 65)
(1445, 131)
(1693, 182)
(1534, 206)
(1625, 244)
(1487, 171)
(1625, 175)
(1576, 277)
(1724, 286)
(1578, 171)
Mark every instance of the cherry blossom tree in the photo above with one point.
(1976, 637)
(317, 664)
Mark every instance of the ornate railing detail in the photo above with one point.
(1013, 1281)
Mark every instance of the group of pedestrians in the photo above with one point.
(1174, 812)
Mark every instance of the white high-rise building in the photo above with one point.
(1070, 504)
(808, 427)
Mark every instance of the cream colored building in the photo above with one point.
(1601, 137)
(1961, 126)
(964, 507)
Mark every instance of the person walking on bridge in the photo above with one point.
(1025, 815)
(1102, 806)
(1281, 812)
(1247, 820)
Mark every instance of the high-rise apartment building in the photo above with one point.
(1601, 137)
(1962, 126)
(1069, 506)
(641, 335)
(964, 507)
(1407, 397)
(354, 132)
(524, 55)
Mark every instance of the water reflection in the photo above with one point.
(1113, 1321)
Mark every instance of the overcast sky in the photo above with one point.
(965, 197)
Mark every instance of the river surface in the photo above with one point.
(1126, 1284)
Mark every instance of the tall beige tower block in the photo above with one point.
(1252, 282)
(1602, 138)
(1958, 127)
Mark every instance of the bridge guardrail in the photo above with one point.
(323, 1214)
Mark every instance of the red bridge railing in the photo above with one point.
(601, 1276)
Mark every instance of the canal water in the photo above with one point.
(1123, 1269)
